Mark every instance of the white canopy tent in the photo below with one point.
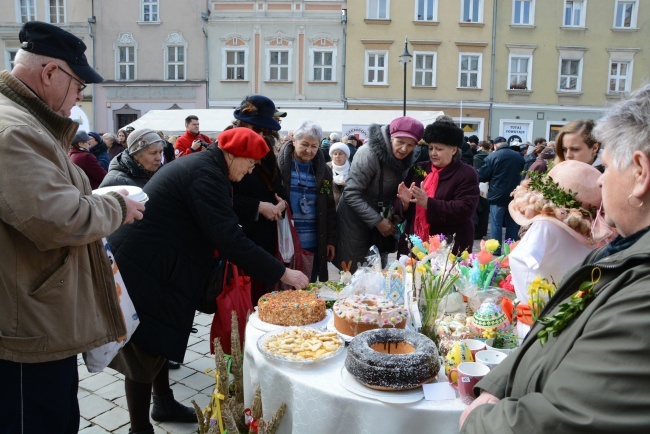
(341, 121)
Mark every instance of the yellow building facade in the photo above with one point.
(517, 68)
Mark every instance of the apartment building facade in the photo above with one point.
(292, 51)
(71, 15)
(152, 55)
(450, 42)
(561, 60)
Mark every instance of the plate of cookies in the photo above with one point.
(300, 345)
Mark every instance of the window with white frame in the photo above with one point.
(150, 11)
(323, 67)
(426, 10)
(424, 69)
(519, 71)
(235, 65)
(175, 61)
(376, 67)
(570, 75)
(56, 11)
(471, 11)
(278, 65)
(175, 47)
(25, 10)
(469, 75)
(377, 9)
(625, 13)
(620, 76)
(523, 12)
(575, 12)
(10, 58)
(126, 63)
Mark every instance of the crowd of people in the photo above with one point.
(220, 200)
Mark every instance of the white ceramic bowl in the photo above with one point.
(490, 358)
(488, 345)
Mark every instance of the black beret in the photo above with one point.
(52, 41)
(444, 132)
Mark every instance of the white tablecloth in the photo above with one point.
(317, 403)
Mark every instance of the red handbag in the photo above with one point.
(236, 295)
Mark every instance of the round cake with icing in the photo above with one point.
(359, 313)
(291, 308)
(392, 359)
(490, 316)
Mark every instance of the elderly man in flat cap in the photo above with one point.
(57, 293)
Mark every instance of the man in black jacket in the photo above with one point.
(502, 169)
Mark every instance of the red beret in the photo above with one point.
(243, 142)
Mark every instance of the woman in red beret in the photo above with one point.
(168, 259)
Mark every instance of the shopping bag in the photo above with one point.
(285, 239)
(98, 358)
(302, 259)
(236, 295)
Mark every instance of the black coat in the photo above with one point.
(502, 169)
(259, 186)
(125, 171)
(325, 205)
(167, 258)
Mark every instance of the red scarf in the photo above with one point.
(429, 185)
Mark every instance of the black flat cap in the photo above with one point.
(52, 41)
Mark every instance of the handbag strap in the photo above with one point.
(380, 202)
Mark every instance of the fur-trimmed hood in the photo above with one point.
(379, 143)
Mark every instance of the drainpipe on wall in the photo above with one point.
(492, 62)
(92, 21)
(344, 22)
(204, 19)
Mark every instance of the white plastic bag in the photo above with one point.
(285, 240)
(98, 358)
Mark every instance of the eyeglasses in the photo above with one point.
(83, 86)
(251, 163)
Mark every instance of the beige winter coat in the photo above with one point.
(57, 294)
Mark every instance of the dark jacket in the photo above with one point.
(259, 186)
(594, 376)
(358, 212)
(450, 211)
(167, 258)
(479, 158)
(467, 155)
(539, 165)
(168, 152)
(529, 160)
(125, 171)
(89, 164)
(502, 169)
(421, 154)
(114, 150)
(100, 151)
(325, 206)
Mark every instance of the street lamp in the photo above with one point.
(405, 58)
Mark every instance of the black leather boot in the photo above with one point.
(167, 409)
(147, 431)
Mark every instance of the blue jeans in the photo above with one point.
(497, 215)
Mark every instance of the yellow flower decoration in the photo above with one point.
(491, 245)
(452, 257)
(465, 255)
(488, 333)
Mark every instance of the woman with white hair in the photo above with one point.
(340, 165)
(137, 164)
(308, 182)
(584, 366)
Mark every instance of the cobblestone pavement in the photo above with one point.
(101, 395)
